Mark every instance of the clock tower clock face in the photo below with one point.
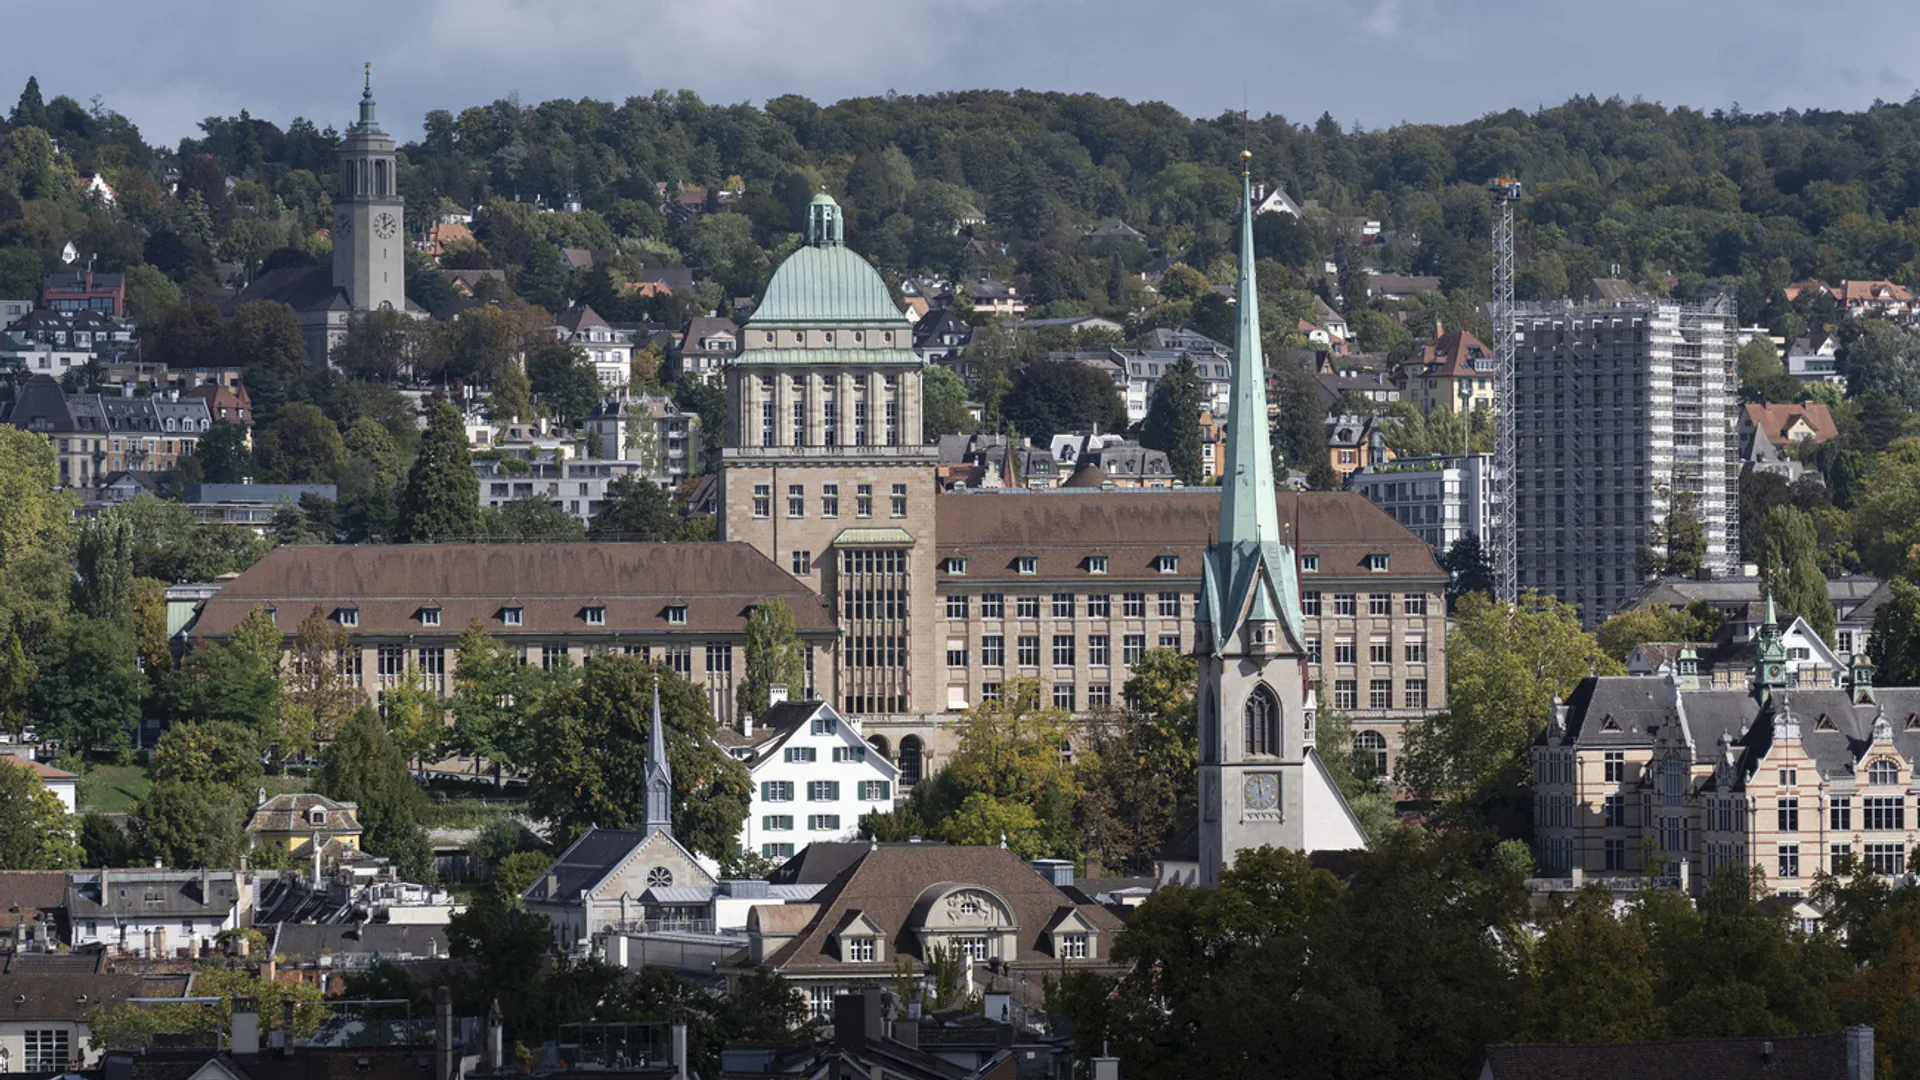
(343, 223)
(385, 226)
(1263, 791)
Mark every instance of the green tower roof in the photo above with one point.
(825, 283)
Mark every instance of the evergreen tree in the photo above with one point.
(512, 396)
(635, 509)
(1173, 420)
(1789, 558)
(364, 766)
(1469, 569)
(442, 496)
(103, 569)
(31, 110)
(775, 656)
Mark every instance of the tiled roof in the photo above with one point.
(292, 813)
(302, 941)
(552, 584)
(71, 996)
(1452, 355)
(1802, 1057)
(26, 893)
(40, 769)
(151, 894)
(1773, 420)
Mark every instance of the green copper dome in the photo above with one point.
(825, 283)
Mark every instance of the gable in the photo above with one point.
(635, 874)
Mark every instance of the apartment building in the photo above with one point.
(1441, 498)
(813, 776)
(1624, 413)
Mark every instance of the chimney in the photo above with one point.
(1094, 866)
(443, 1048)
(244, 1037)
(1766, 1053)
(856, 1019)
(284, 1037)
(678, 1032)
(746, 725)
(1106, 1067)
(776, 694)
(1860, 1052)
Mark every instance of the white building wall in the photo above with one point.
(784, 766)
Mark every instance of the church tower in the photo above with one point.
(658, 774)
(1260, 781)
(369, 247)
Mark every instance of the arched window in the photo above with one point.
(1883, 773)
(910, 753)
(1263, 722)
(382, 184)
(879, 743)
(1370, 753)
(346, 179)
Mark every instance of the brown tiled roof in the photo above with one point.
(288, 814)
(24, 894)
(1860, 292)
(891, 880)
(1452, 355)
(992, 528)
(552, 584)
(39, 768)
(1804, 1057)
(69, 996)
(1773, 420)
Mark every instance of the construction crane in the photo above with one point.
(1505, 191)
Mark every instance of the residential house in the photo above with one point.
(442, 236)
(226, 403)
(1839, 1055)
(706, 346)
(1122, 464)
(156, 913)
(578, 486)
(75, 330)
(1814, 357)
(33, 911)
(61, 783)
(151, 434)
(76, 425)
(941, 337)
(1356, 442)
(1400, 286)
(994, 297)
(12, 310)
(295, 823)
(1873, 299)
(1454, 373)
(814, 776)
(47, 1002)
(662, 281)
(1274, 200)
(84, 290)
(610, 349)
(95, 186)
(1783, 425)
(248, 505)
(663, 440)
(910, 901)
(578, 259)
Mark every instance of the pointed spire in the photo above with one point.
(368, 125)
(658, 773)
(1248, 512)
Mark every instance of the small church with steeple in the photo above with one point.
(368, 230)
(1261, 783)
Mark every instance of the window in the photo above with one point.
(993, 605)
(954, 564)
(1027, 607)
(1380, 694)
(1063, 650)
(823, 791)
(956, 654)
(677, 614)
(1169, 605)
(1099, 650)
(1099, 607)
(776, 822)
(1789, 860)
(1377, 562)
(1615, 766)
(1884, 812)
(1063, 696)
(1099, 696)
(796, 500)
(1261, 721)
(957, 607)
(1613, 810)
(1027, 564)
(1379, 650)
(1063, 605)
(829, 500)
(776, 790)
(1370, 752)
(874, 791)
(1343, 650)
(1886, 858)
(719, 659)
(802, 563)
(1787, 814)
(1379, 603)
(48, 1050)
(860, 950)
(1132, 648)
(1133, 605)
(1096, 564)
(993, 650)
(973, 948)
(1616, 854)
(1343, 605)
(989, 691)
(1073, 946)
(680, 659)
(1309, 564)
(1413, 603)
(1415, 650)
(1840, 813)
(429, 616)
(596, 615)
(863, 500)
(1029, 651)
(554, 657)
(348, 616)
(1415, 692)
(1789, 777)
(1170, 641)
(1883, 773)
(785, 851)
(1167, 564)
(822, 822)
(1310, 603)
(762, 500)
(1313, 650)
(899, 500)
(1346, 694)
(824, 725)
(800, 755)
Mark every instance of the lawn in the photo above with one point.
(113, 789)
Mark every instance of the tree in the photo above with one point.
(1300, 429)
(363, 766)
(442, 497)
(300, 446)
(565, 380)
(511, 397)
(186, 824)
(1789, 558)
(36, 832)
(1010, 752)
(635, 509)
(222, 454)
(531, 518)
(1591, 976)
(318, 691)
(1142, 784)
(264, 336)
(943, 404)
(87, 692)
(1894, 645)
(1679, 540)
(495, 696)
(1505, 665)
(1762, 376)
(377, 347)
(1173, 420)
(219, 753)
(16, 676)
(1886, 513)
(103, 569)
(589, 762)
(1469, 570)
(103, 842)
(169, 545)
(774, 656)
(1053, 396)
(33, 513)
(30, 110)
(1882, 358)
(1622, 633)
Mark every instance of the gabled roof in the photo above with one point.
(578, 316)
(1455, 354)
(586, 863)
(302, 288)
(1775, 420)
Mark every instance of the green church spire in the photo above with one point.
(367, 125)
(1248, 513)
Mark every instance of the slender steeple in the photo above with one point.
(1247, 510)
(659, 775)
(368, 125)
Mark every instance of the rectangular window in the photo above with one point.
(1099, 607)
(1099, 650)
(1073, 946)
(824, 725)
(829, 500)
(993, 605)
(48, 1050)
(1615, 766)
(1787, 815)
(1343, 650)
(1886, 858)
(1613, 811)
(1379, 603)
(1029, 650)
(766, 423)
(596, 616)
(1169, 605)
(799, 423)
(1063, 696)
(776, 790)
(859, 950)
(800, 755)
(957, 607)
(1310, 603)
(1415, 649)
(1344, 604)
(428, 616)
(1379, 650)
(973, 948)
(823, 791)
(956, 654)
(863, 500)
(719, 659)
(1096, 564)
(1309, 564)
(1099, 696)
(1840, 813)
(776, 822)
(989, 691)
(348, 616)
(796, 500)
(859, 423)
(1789, 860)
(954, 564)
(390, 660)
(1377, 562)
(1616, 854)
(1380, 694)
(822, 822)
(1027, 607)
(1416, 694)
(762, 500)
(1167, 564)
(1132, 648)
(553, 657)
(1885, 812)
(829, 414)
(1133, 605)
(899, 500)
(802, 563)
(1170, 641)
(1063, 605)
(512, 616)
(993, 650)
(1413, 603)
(680, 659)
(1063, 650)
(1313, 650)
(1346, 694)
(1027, 564)
(785, 851)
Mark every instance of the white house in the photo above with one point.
(609, 348)
(63, 784)
(813, 777)
(156, 912)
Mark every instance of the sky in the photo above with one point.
(1373, 62)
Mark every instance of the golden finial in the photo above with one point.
(1246, 167)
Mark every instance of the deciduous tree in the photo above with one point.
(774, 656)
(36, 832)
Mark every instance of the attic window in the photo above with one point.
(1096, 564)
(429, 616)
(677, 614)
(1309, 564)
(1913, 721)
(954, 564)
(1825, 723)
(347, 616)
(1027, 564)
(513, 616)
(316, 815)
(1377, 562)
(1167, 564)
(596, 615)
(1609, 725)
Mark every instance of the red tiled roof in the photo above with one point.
(41, 769)
(1773, 420)
(1452, 355)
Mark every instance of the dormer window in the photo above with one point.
(316, 815)
(676, 614)
(513, 616)
(596, 615)
(1096, 564)
(1309, 564)
(1027, 564)
(954, 564)
(429, 616)
(1377, 562)
(347, 616)
(1167, 564)
(1073, 946)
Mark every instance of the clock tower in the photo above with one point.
(369, 247)
(1261, 784)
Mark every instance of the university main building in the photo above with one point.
(915, 603)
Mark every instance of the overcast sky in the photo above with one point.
(1377, 62)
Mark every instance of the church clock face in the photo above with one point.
(385, 226)
(1263, 791)
(343, 223)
